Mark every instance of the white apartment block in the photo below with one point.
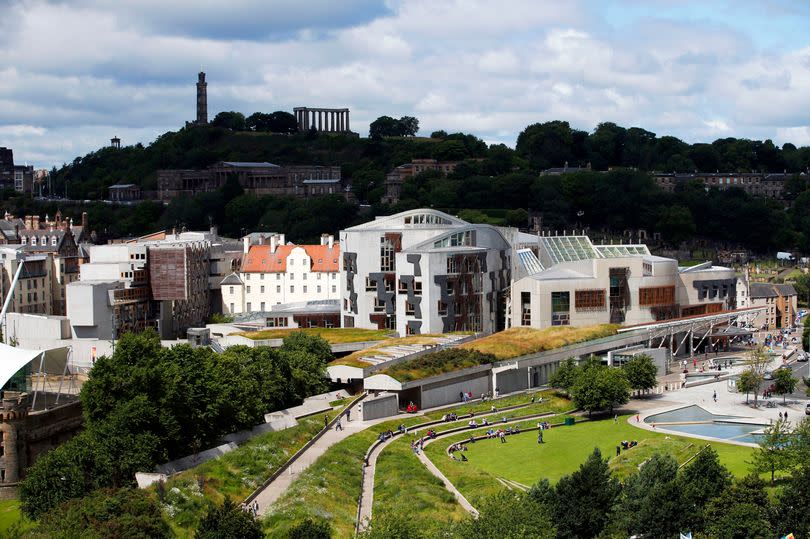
(277, 273)
(424, 271)
(566, 280)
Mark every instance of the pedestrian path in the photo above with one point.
(276, 488)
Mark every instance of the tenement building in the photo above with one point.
(262, 178)
(780, 300)
(396, 178)
(424, 271)
(756, 184)
(567, 280)
(275, 273)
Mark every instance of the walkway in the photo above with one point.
(272, 492)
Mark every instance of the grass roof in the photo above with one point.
(355, 359)
(520, 341)
(331, 335)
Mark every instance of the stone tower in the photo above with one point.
(202, 99)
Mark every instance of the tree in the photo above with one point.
(784, 382)
(791, 511)
(651, 499)
(748, 382)
(641, 372)
(228, 521)
(600, 387)
(701, 481)
(409, 126)
(235, 121)
(547, 145)
(386, 126)
(508, 515)
(310, 529)
(130, 513)
(566, 375)
(396, 524)
(757, 362)
(741, 511)
(586, 499)
(676, 224)
(774, 453)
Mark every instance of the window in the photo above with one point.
(292, 276)
(248, 289)
(371, 284)
(262, 306)
(449, 288)
(389, 284)
(231, 307)
(247, 276)
(276, 322)
(278, 276)
(53, 240)
(348, 321)
(292, 289)
(261, 289)
(230, 290)
(319, 276)
(589, 300)
(318, 289)
(560, 308)
(248, 306)
(33, 240)
(656, 295)
(379, 306)
(292, 262)
(417, 288)
(305, 289)
(525, 308)
(261, 276)
(278, 289)
(452, 265)
(387, 260)
(409, 308)
(403, 287)
(334, 289)
(442, 308)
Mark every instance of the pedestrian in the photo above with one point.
(714, 396)
(615, 418)
(338, 426)
(618, 450)
(540, 437)
(780, 416)
(348, 415)
(785, 415)
(638, 420)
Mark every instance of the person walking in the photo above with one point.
(540, 437)
(714, 396)
(325, 420)
(338, 426)
(348, 415)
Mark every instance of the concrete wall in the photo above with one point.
(384, 405)
(447, 392)
(511, 380)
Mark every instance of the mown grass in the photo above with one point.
(329, 489)
(235, 474)
(355, 359)
(515, 342)
(523, 460)
(12, 517)
(331, 335)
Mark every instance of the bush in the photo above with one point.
(451, 359)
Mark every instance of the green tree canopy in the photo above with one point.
(599, 387)
(641, 372)
(228, 521)
(235, 121)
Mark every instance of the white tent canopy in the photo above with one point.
(13, 359)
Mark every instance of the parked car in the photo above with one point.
(768, 375)
(801, 356)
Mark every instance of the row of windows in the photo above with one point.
(656, 295)
(291, 275)
(43, 241)
(278, 289)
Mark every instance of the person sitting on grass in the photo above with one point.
(516, 430)
(463, 457)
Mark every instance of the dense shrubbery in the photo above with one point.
(147, 404)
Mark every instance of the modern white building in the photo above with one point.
(276, 273)
(424, 271)
(567, 280)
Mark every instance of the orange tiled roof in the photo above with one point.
(260, 260)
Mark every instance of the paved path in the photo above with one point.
(272, 492)
(448, 485)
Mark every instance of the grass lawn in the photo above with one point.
(10, 515)
(331, 335)
(523, 460)
(520, 341)
(235, 474)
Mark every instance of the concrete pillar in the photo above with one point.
(348, 127)
(332, 121)
(342, 122)
(320, 120)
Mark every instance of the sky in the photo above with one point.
(75, 74)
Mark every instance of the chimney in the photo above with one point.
(261, 239)
(245, 244)
(28, 222)
(35, 222)
(273, 243)
(84, 221)
(331, 241)
(324, 239)
(281, 240)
